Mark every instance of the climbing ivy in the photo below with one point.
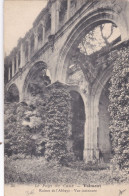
(119, 108)
(58, 121)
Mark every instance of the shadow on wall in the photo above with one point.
(78, 121)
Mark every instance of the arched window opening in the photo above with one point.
(19, 58)
(13, 94)
(40, 33)
(37, 79)
(48, 23)
(63, 11)
(26, 48)
(99, 38)
(15, 65)
(10, 71)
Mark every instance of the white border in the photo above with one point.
(1, 101)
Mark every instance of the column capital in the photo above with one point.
(27, 40)
(35, 32)
(42, 23)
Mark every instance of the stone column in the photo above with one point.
(53, 28)
(43, 38)
(8, 73)
(35, 40)
(57, 14)
(88, 142)
(95, 111)
(54, 17)
(13, 71)
(22, 56)
(17, 66)
(29, 54)
(68, 8)
(91, 151)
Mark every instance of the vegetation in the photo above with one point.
(38, 170)
(99, 38)
(58, 122)
(20, 137)
(42, 126)
(119, 109)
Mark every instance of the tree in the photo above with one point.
(98, 38)
(119, 108)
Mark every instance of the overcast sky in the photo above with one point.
(19, 16)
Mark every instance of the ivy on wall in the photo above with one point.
(119, 108)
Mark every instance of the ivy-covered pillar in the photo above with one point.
(119, 107)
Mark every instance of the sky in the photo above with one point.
(19, 16)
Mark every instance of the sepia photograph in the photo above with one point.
(66, 97)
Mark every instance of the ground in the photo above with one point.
(37, 170)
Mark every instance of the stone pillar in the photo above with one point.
(91, 150)
(13, 71)
(8, 73)
(35, 40)
(17, 66)
(88, 140)
(54, 17)
(68, 8)
(43, 38)
(57, 14)
(22, 56)
(96, 127)
(29, 53)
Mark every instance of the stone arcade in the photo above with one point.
(50, 44)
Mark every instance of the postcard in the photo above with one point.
(66, 100)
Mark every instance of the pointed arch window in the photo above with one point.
(40, 33)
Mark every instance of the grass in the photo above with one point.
(37, 170)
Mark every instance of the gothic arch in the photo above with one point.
(12, 94)
(33, 73)
(84, 26)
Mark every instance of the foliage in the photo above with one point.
(10, 126)
(23, 130)
(17, 137)
(119, 109)
(58, 120)
(38, 170)
(41, 126)
(98, 38)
